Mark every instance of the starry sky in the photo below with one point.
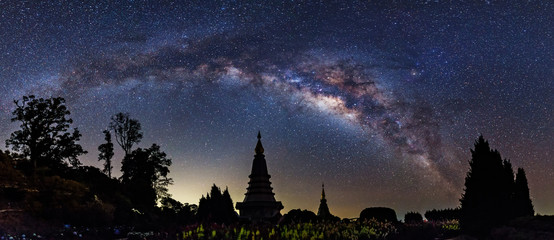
(381, 101)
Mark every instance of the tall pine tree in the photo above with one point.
(523, 205)
(491, 196)
(488, 190)
(217, 207)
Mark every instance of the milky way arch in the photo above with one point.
(348, 88)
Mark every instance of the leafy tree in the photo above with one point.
(176, 213)
(522, 201)
(217, 207)
(127, 131)
(168, 203)
(106, 153)
(44, 137)
(145, 173)
(296, 216)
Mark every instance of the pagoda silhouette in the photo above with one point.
(323, 210)
(259, 203)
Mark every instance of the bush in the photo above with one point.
(299, 216)
(443, 214)
(413, 217)
(380, 214)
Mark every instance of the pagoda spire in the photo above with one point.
(259, 148)
(323, 191)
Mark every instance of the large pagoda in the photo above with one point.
(323, 210)
(259, 203)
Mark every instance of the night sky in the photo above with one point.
(382, 102)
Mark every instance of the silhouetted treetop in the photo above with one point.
(44, 137)
(217, 207)
(489, 195)
(106, 153)
(299, 216)
(127, 131)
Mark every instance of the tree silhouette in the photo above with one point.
(145, 173)
(491, 196)
(44, 137)
(127, 131)
(443, 214)
(413, 217)
(381, 214)
(484, 200)
(106, 153)
(176, 213)
(217, 207)
(522, 201)
(299, 216)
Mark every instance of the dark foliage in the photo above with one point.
(83, 196)
(40, 189)
(127, 131)
(488, 200)
(427, 231)
(12, 181)
(381, 214)
(443, 214)
(330, 218)
(174, 214)
(413, 217)
(217, 207)
(106, 153)
(44, 138)
(360, 230)
(145, 176)
(486, 190)
(523, 207)
(299, 216)
(104, 188)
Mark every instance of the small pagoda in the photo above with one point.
(259, 203)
